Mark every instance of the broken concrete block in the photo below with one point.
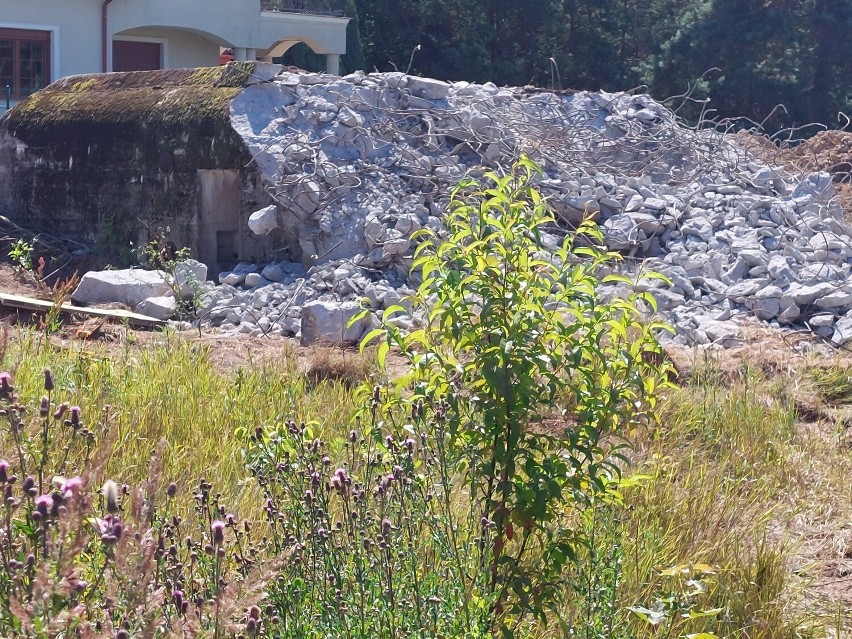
(162, 307)
(273, 273)
(189, 276)
(428, 88)
(126, 286)
(264, 221)
(326, 323)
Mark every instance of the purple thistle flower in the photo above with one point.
(43, 504)
(60, 410)
(387, 526)
(5, 384)
(48, 380)
(218, 528)
(4, 471)
(75, 417)
(70, 487)
(29, 486)
(102, 525)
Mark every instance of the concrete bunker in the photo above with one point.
(110, 160)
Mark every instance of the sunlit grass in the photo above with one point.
(173, 392)
(729, 478)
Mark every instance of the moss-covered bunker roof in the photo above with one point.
(182, 97)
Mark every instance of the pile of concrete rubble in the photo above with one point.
(357, 164)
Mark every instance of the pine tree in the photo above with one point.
(354, 59)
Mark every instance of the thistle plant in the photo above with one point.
(370, 554)
(82, 555)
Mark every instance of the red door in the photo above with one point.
(128, 55)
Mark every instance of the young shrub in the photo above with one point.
(531, 379)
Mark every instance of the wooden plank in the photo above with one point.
(43, 306)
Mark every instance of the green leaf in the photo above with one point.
(396, 309)
(370, 337)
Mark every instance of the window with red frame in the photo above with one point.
(24, 61)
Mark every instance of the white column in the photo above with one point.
(332, 63)
(251, 55)
(240, 54)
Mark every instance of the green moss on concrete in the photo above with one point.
(177, 97)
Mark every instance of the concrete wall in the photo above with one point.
(111, 181)
(113, 196)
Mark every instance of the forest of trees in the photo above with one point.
(747, 56)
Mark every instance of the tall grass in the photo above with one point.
(720, 482)
(173, 391)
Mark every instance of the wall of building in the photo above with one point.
(181, 49)
(76, 27)
(323, 34)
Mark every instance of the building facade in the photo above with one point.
(44, 40)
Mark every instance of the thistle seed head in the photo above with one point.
(110, 493)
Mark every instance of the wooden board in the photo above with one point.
(43, 306)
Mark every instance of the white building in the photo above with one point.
(43, 40)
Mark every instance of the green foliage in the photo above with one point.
(833, 384)
(161, 254)
(767, 53)
(726, 468)
(353, 60)
(370, 530)
(76, 560)
(534, 380)
(21, 254)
